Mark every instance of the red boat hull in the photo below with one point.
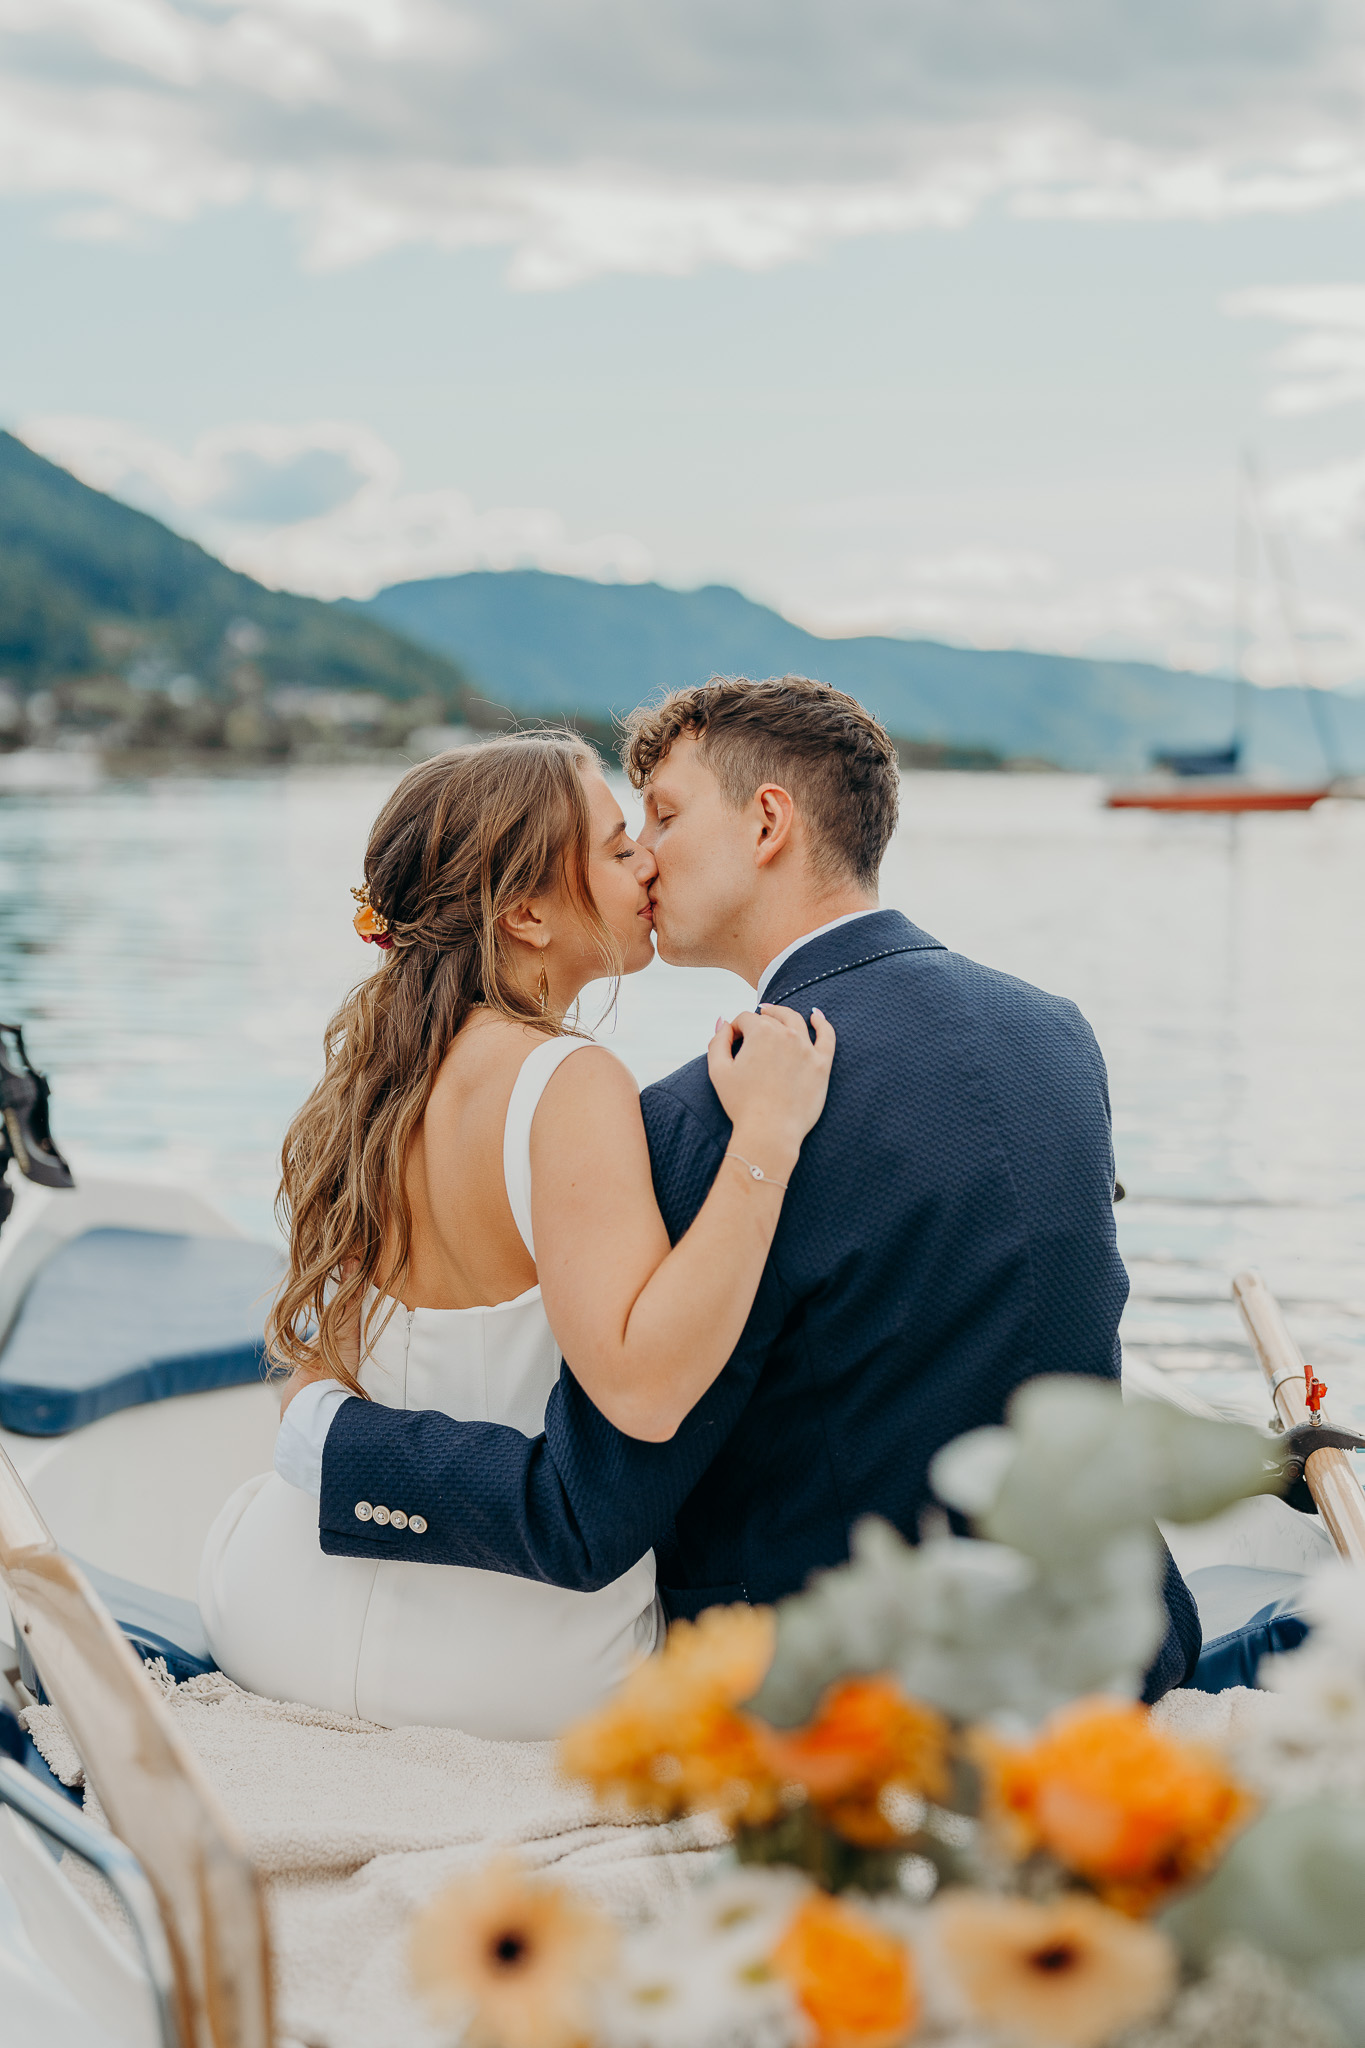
(1214, 799)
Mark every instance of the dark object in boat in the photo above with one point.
(1299, 1444)
(1119, 1191)
(26, 1133)
(1204, 761)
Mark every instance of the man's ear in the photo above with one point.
(777, 817)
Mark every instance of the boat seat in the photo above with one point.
(119, 1317)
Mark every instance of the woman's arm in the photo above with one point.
(646, 1329)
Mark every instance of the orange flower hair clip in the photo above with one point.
(371, 924)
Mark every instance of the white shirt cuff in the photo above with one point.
(303, 1433)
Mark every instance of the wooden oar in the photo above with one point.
(1329, 1472)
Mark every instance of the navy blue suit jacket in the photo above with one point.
(949, 1233)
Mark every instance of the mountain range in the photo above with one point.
(553, 645)
(89, 587)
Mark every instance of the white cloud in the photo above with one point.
(1326, 503)
(320, 507)
(603, 136)
(1324, 365)
(1007, 597)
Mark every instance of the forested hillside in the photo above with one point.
(89, 587)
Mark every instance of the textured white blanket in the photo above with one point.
(354, 1827)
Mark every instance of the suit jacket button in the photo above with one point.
(381, 1516)
(363, 1511)
(417, 1525)
(398, 1520)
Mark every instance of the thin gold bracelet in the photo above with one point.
(757, 1173)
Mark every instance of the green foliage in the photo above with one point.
(1056, 1594)
(88, 585)
(1293, 1885)
(1077, 1461)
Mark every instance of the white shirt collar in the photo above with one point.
(805, 939)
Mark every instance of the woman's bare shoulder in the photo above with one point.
(488, 1041)
(592, 1081)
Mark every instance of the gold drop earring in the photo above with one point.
(544, 988)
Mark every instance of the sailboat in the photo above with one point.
(1211, 779)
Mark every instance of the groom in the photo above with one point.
(949, 1231)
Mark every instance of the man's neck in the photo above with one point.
(787, 924)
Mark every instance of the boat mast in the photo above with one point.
(1287, 598)
(1243, 541)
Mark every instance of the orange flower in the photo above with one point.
(866, 1740)
(852, 1979)
(1113, 1799)
(672, 1739)
(1068, 1973)
(370, 923)
(520, 1961)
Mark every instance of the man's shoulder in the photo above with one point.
(684, 1097)
(687, 1132)
(993, 985)
(1009, 1004)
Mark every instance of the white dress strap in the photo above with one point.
(523, 1102)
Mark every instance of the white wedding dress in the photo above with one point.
(436, 1645)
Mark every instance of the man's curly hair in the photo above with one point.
(833, 758)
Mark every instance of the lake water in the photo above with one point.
(175, 946)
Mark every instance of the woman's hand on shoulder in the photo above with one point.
(772, 1077)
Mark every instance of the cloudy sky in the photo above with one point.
(944, 317)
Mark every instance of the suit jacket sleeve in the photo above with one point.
(580, 1504)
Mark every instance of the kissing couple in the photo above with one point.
(571, 1361)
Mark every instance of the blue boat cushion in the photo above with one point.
(119, 1317)
(1247, 1613)
(156, 1624)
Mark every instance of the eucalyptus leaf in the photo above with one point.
(1197, 1467)
(1087, 1465)
(1293, 1885)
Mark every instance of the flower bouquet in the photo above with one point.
(949, 1818)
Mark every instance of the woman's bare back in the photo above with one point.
(466, 1249)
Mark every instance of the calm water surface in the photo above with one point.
(175, 946)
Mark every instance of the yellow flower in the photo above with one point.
(867, 1739)
(853, 1980)
(1113, 1799)
(521, 1957)
(1069, 1973)
(672, 1739)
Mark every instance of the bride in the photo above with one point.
(468, 1187)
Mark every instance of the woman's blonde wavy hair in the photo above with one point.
(463, 839)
